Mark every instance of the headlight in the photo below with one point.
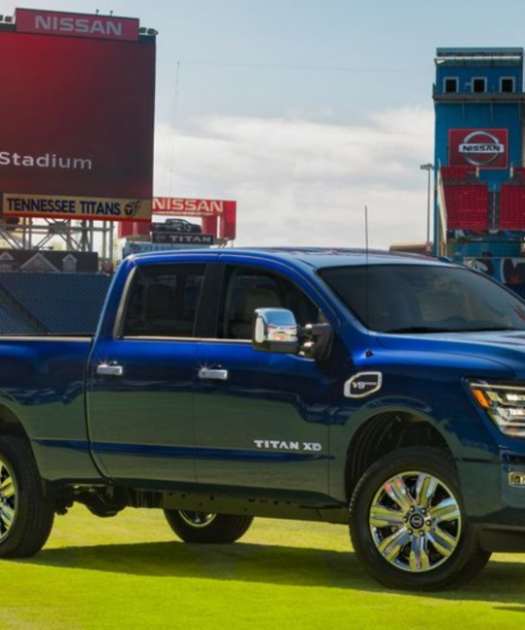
(504, 404)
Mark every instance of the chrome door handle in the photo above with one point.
(110, 369)
(215, 374)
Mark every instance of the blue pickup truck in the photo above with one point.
(384, 392)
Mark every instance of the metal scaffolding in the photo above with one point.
(77, 236)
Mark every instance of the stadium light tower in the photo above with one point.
(429, 168)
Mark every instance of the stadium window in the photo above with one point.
(479, 85)
(506, 84)
(451, 85)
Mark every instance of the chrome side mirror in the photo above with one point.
(275, 330)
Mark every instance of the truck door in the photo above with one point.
(140, 379)
(261, 419)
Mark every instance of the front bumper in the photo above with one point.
(494, 500)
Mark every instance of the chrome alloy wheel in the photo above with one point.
(415, 522)
(7, 500)
(197, 519)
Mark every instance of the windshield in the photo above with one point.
(425, 298)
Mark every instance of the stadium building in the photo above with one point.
(479, 200)
(76, 159)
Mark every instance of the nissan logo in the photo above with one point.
(417, 521)
(481, 148)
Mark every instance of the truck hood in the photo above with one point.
(502, 348)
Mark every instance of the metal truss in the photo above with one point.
(77, 236)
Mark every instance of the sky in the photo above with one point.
(305, 112)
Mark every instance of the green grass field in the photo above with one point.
(130, 573)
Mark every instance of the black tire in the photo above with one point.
(26, 516)
(208, 528)
(409, 539)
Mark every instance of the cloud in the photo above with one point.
(303, 182)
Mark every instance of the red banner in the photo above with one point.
(180, 206)
(75, 24)
(76, 116)
(218, 217)
(483, 148)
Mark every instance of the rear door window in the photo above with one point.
(163, 300)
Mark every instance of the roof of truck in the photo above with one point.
(316, 257)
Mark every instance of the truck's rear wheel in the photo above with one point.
(26, 515)
(408, 525)
(206, 527)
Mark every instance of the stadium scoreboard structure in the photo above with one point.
(76, 118)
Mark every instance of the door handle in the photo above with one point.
(213, 374)
(110, 369)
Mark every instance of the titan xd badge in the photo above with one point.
(363, 384)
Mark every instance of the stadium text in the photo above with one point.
(188, 206)
(77, 207)
(77, 25)
(47, 160)
(481, 148)
(43, 205)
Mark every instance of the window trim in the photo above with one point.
(118, 327)
(456, 82)
(512, 80)
(473, 81)
(208, 306)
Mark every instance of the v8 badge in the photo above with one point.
(363, 384)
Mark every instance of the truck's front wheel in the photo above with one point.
(26, 515)
(205, 527)
(408, 524)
